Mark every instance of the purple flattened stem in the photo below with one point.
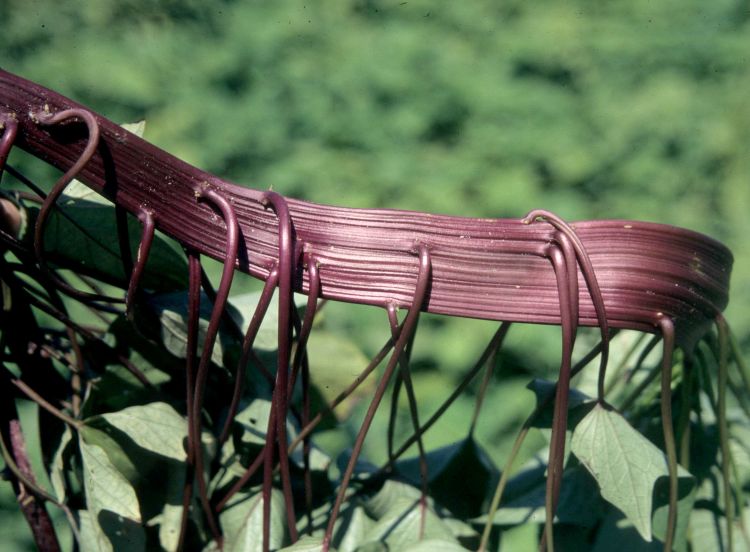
(300, 354)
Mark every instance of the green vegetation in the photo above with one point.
(617, 109)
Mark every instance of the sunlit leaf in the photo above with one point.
(242, 522)
(307, 544)
(114, 511)
(355, 524)
(435, 545)
(60, 463)
(406, 523)
(624, 463)
(156, 427)
(171, 309)
(335, 362)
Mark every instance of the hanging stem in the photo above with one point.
(191, 354)
(405, 376)
(589, 276)
(247, 346)
(46, 118)
(667, 331)
(300, 362)
(280, 402)
(568, 319)
(683, 422)
(307, 430)
(201, 376)
(487, 356)
(721, 404)
(39, 400)
(505, 475)
(423, 279)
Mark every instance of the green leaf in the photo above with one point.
(170, 519)
(402, 525)
(138, 128)
(524, 499)
(435, 545)
(388, 496)
(252, 422)
(106, 488)
(242, 522)
(156, 427)
(82, 234)
(242, 307)
(461, 475)
(686, 495)
(350, 531)
(708, 530)
(336, 361)
(306, 544)
(113, 508)
(398, 514)
(60, 464)
(109, 533)
(171, 310)
(624, 463)
(152, 436)
(544, 391)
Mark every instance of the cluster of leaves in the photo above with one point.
(119, 464)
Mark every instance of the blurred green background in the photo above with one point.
(608, 109)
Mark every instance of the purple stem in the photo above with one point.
(45, 118)
(280, 393)
(423, 280)
(404, 375)
(144, 247)
(666, 326)
(222, 294)
(10, 129)
(247, 346)
(191, 353)
(560, 416)
(589, 276)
